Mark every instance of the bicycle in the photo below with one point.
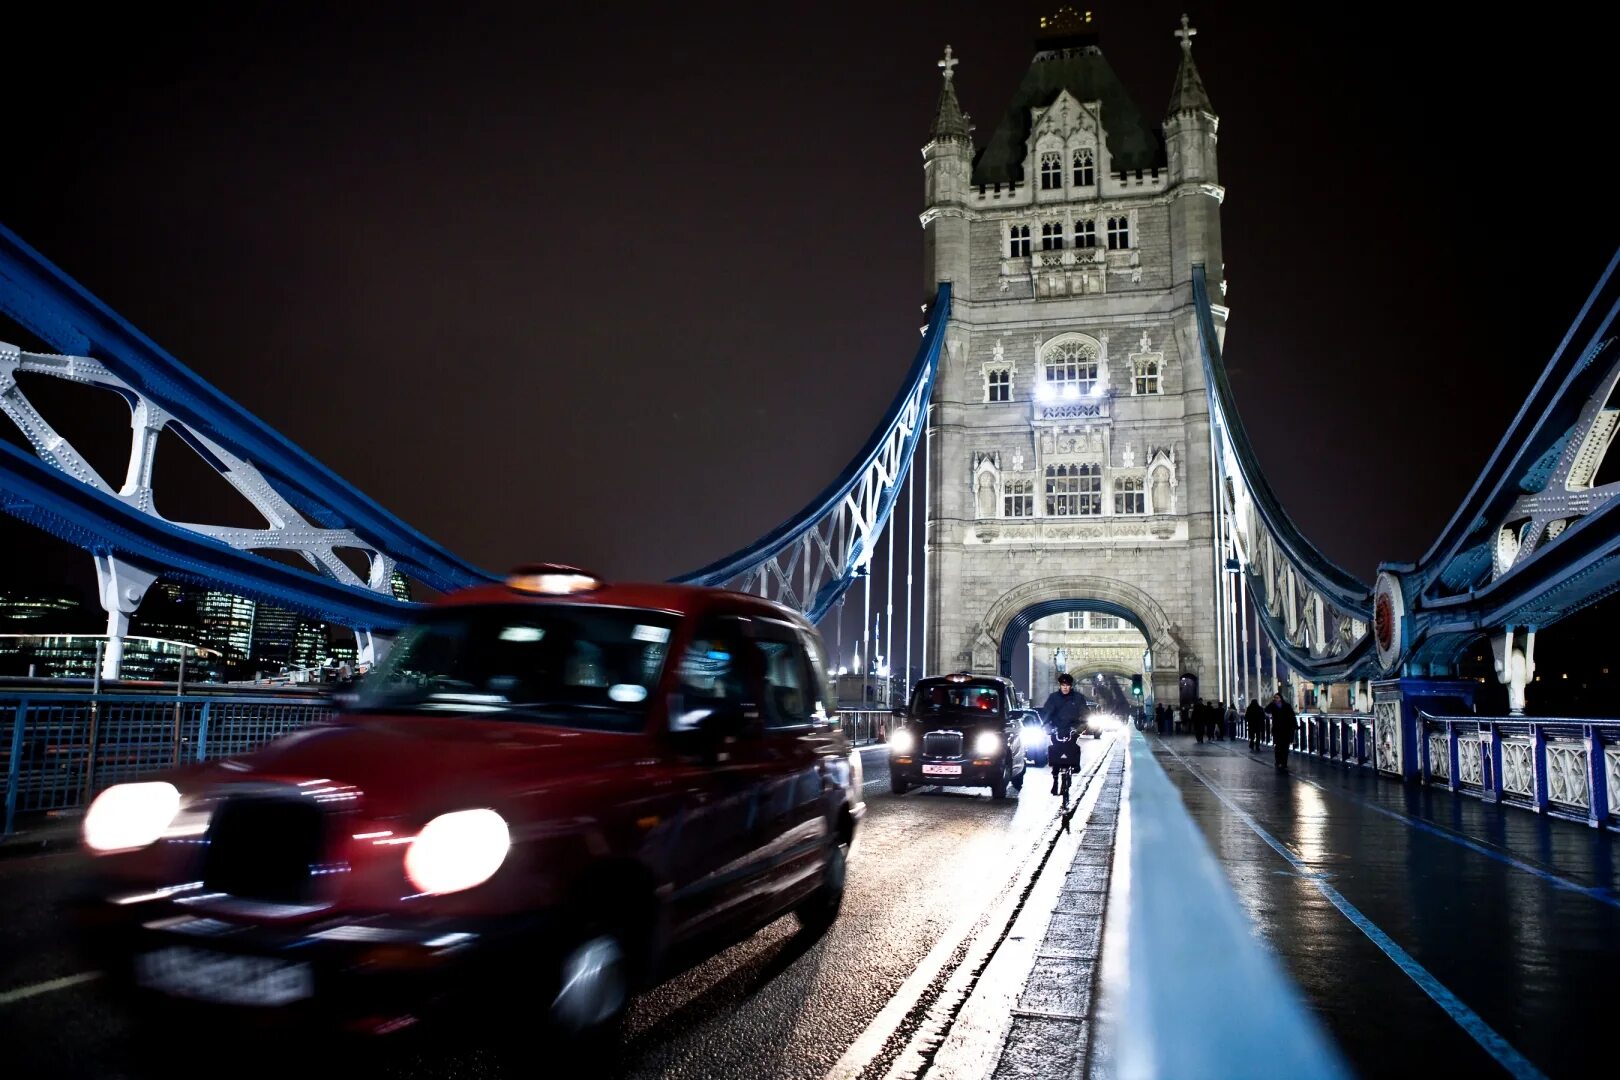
(1064, 757)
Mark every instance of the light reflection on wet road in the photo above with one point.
(1535, 959)
(776, 1005)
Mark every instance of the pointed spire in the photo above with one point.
(1189, 94)
(949, 120)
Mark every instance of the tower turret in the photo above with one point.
(947, 169)
(1189, 132)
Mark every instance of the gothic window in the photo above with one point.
(1051, 170)
(998, 384)
(1129, 495)
(1119, 233)
(1077, 620)
(1085, 234)
(1073, 490)
(1052, 236)
(1147, 378)
(1018, 499)
(1018, 237)
(1085, 168)
(1071, 369)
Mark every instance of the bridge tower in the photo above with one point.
(1069, 460)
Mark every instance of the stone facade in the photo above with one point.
(1069, 457)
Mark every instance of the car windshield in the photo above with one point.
(574, 665)
(940, 697)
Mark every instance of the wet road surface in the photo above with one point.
(1514, 915)
(780, 1004)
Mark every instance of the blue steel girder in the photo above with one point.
(1536, 538)
(1316, 614)
(90, 518)
(808, 561)
(308, 508)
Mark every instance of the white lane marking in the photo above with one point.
(48, 987)
(869, 1044)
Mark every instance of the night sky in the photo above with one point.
(627, 285)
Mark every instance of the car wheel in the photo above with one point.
(592, 986)
(1018, 778)
(1040, 759)
(820, 908)
(898, 784)
(998, 787)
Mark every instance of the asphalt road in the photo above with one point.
(781, 1004)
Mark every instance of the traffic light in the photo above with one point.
(1136, 686)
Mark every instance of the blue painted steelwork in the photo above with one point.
(1314, 612)
(64, 746)
(809, 560)
(42, 298)
(1535, 539)
(95, 521)
(1560, 767)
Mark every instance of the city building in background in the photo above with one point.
(1083, 644)
(78, 656)
(226, 624)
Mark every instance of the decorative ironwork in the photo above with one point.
(1566, 775)
(1518, 767)
(1611, 756)
(1439, 756)
(1387, 736)
(1470, 765)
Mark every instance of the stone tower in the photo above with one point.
(1070, 450)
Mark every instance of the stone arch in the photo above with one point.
(1047, 596)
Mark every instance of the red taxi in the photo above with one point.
(587, 785)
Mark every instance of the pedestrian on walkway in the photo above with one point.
(1254, 717)
(1283, 723)
(1231, 721)
(1197, 719)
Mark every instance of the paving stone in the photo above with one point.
(1074, 933)
(1089, 878)
(1093, 857)
(1077, 902)
(1041, 1048)
(1058, 985)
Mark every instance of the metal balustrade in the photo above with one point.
(865, 726)
(1562, 767)
(59, 748)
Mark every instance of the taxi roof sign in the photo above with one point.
(552, 579)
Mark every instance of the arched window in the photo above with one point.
(1085, 168)
(1119, 233)
(1129, 495)
(1052, 236)
(1051, 170)
(1018, 498)
(1017, 241)
(1073, 490)
(1085, 234)
(1070, 368)
(1147, 378)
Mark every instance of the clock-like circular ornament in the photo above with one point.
(1389, 612)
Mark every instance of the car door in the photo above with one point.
(794, 825)
(714, 857)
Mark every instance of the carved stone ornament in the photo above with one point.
(1000, 353)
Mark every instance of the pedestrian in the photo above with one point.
(1231, 721)
(1197, 719)
(1282, 729)
(1255, 719)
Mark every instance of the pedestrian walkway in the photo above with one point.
(1429, 932)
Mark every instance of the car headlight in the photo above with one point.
(129, 816)
(1035, 736)
(987, 744)
(458, 850)
(902, 741)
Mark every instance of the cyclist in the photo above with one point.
(1064, 714)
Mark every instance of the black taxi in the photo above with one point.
(959, 730)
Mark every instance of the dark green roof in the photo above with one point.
(1133, 143)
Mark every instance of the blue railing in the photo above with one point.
(1563, 767)
(58, 748)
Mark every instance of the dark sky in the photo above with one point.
(625, 285)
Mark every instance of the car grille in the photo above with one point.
(262, 848)
(942, 744)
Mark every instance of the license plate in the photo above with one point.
(942, 770)
(225, 978)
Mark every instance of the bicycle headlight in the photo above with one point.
(457, 851)
(987, 744)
